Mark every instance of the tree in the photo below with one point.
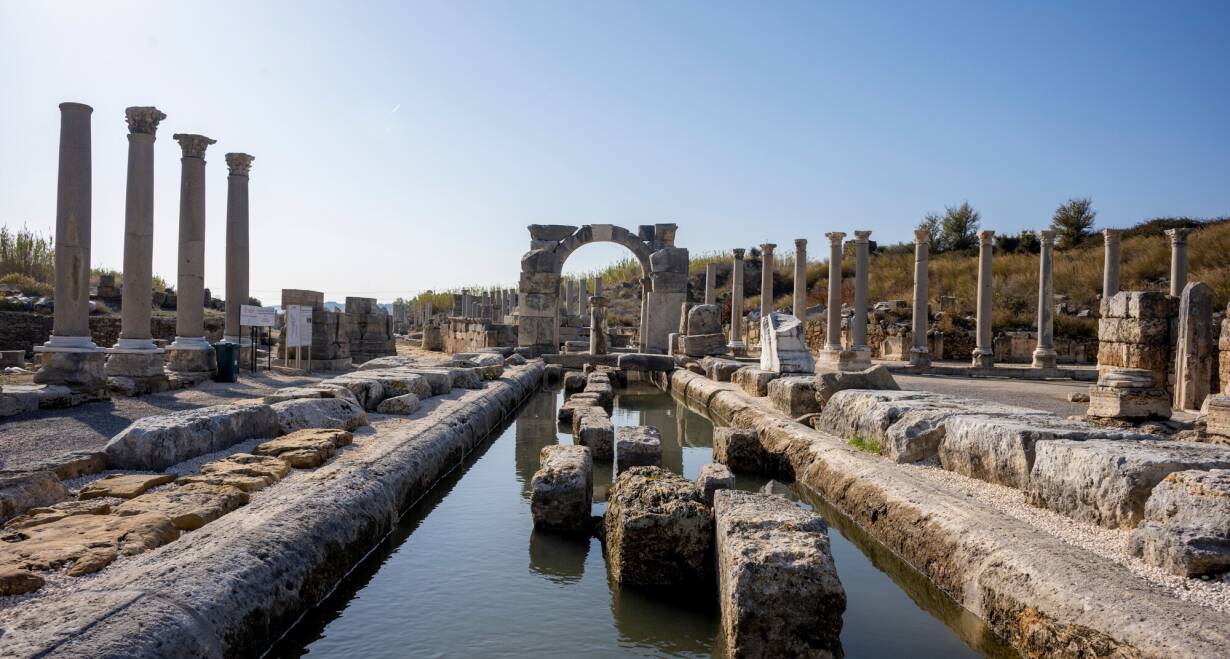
(1072, 222)
(931, 224)
(956, 229)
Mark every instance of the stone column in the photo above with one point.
(1178, 260)
(191, 352)
(736, 345)
(858, 323)
(832, 357)
(569, 288)
(984, 352)
(582, 297)
(597, 325)
(711, 283)
(239, 165)
(766, 279)
(800, 279)
(920, 354)
(70, 356)
(135, 356)
(1110, 266)
(643, 330)
(1044, 354)
(598, 287)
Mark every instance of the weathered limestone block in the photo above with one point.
(301, 413)
(157, 442)
(368, 392)
(640, 361)
(1128, 394)
(637, 446)
(79, 371)
(704, 319)
(490, 364)
(777, 584)
(794, 396)
(399, 383)
(190, 360)
(305, 449)
(720, 370)
(73, 464)
(1146, 331)
(1186, 527)
(433, 338)
(714, 477)
(250, 473)
(14, 581)
(1195, 359)
(574, 381)
(596, 432)
(658, 529)
(741, 450)
(754, 381)
(190, 506)
(403, 404)
(829, 383)
(515, 360)
(124, 486)
(22, 490)
(1107, 482)
(562, 490)
(84, 543)
(313, 391)
(568, 411)
(602, 388)
(703, 345)
(782, 349)
(387, 362)
(1218, 418)
(57, 511)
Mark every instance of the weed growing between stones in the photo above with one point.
(868, 444)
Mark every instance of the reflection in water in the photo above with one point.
(692, 613)
(535, 428)
(559, 558)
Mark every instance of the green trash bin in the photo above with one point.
(228, 361)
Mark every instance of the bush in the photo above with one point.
(868, 444)
(25, 252)
(1073, 222)
(28, 285)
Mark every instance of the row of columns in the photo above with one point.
(70, 327)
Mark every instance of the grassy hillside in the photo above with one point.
(1078, 273)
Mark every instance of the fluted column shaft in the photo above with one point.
(766, 279)
(190, 287)
(1044, 354)
(862, 295)
(832, 334)
(1110, 266)
(920, 353)
(984, 354)
(237, 245)
(736, 303)
(1178, 260)
(139, 231)
(711, 283)
(71, 321)
(800, 279)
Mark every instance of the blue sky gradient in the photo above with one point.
(405, 146)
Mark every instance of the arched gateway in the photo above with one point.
(664, 280)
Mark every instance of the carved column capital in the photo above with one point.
(922, 236)
(800, 243)
(1047, 236)
(143, 119)
(985, 237)
(193, 145)
(739, 251)
(835, 237)
(239, 163)
(1112, 235)
(1178, 235)
(767, 249)
(862, 237)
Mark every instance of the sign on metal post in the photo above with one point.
(298, 332)
(254, 316)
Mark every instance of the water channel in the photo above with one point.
(465, 574)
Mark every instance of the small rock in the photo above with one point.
(124, 486)
(1186, 528)
(14, 581)
(22, 490)
(404, 404)
(1078, 397)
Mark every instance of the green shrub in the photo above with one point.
(27, 284)
(868, 444)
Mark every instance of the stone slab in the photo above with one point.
(157, 442)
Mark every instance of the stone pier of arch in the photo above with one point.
(664, 265)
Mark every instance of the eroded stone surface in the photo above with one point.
(44, 515)
(782, 349)
(157, 442)
(305, 449)
(303, 413)
(96, 538)
(829, 383)
(754, 381)
(562, 489)
(1186, 528)
(741, 450)
(778, 587)
(124, 486)
(658, 529)
(190, 505)
(596, 432)
(794, 396)
(245, 471)
(404, 404)
(637, 446)
(22, 490)
(714, 477)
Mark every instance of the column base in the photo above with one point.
(920, 357)
(838, 360)
(737, 348)
(136, 346)
(862, 358)
(1044, 358)
(78, 369)
(136, 364)
(193, 355)
(190, 343)
(67, 344)
(982, 359)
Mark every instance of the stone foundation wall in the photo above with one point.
(1137, 330)
(22, 330)
(1223, 345)
(467, 334)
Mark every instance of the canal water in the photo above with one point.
(465, 574)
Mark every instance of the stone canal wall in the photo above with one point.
(1044, 596)
(233, 587)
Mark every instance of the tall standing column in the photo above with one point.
(643, 329)
(766, 279)
(135, 356)
(858, 322)
(191, 352)
(736, 345)
(1110, 265)
(832, 357)
(597, 325)
(800, 279)
(984, 352)
(239, 165)
(569, 289)
(1178, 260)
(920, 354)
(598, 286)
(71, 357)
(711, 283)
(1044, 354)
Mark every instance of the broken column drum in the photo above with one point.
(800, 278)
(1044, 354)
(984, 353)
(920, 354)
(597, 325)
(711, 283)
(736, 345)
(237, 246)
(190, 351)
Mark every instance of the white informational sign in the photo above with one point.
(298, 326)
(253, 316)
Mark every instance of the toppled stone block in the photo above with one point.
(303, 413)
(777, 584)
(57, 511)
(250, 473)
(387, 362)
(741, 450)
(596, 432)
(637, 446)
(305, 449)
(157, 442)
(581, 412)
(124, 486)
(877, 378)
(562, 489)
(658, 529)
(782, 349)
(73, 464)
(640, 361)
(714, 477)
(490, 364)
(794, 396)
(404, 404)
(1108, 482)
(720, 370)
(754, 381)
(567, 411)
(1186, 527)
(22, 490)
(553, 373)
(190, 506)
(84, 543)
(600, 384)
(1217, 421)
(574, 382)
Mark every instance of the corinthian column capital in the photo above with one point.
(193, 145)
(835, 237)
(862, 236)
(1047, 236)
(143, 119)
(986, 236)
(239, 163)
(922, 236)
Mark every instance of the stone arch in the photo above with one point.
(664, 269)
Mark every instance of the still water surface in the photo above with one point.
(465, 575)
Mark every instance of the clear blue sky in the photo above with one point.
(405, 146)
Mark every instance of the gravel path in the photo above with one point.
(1046, 395)
(46, 433)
